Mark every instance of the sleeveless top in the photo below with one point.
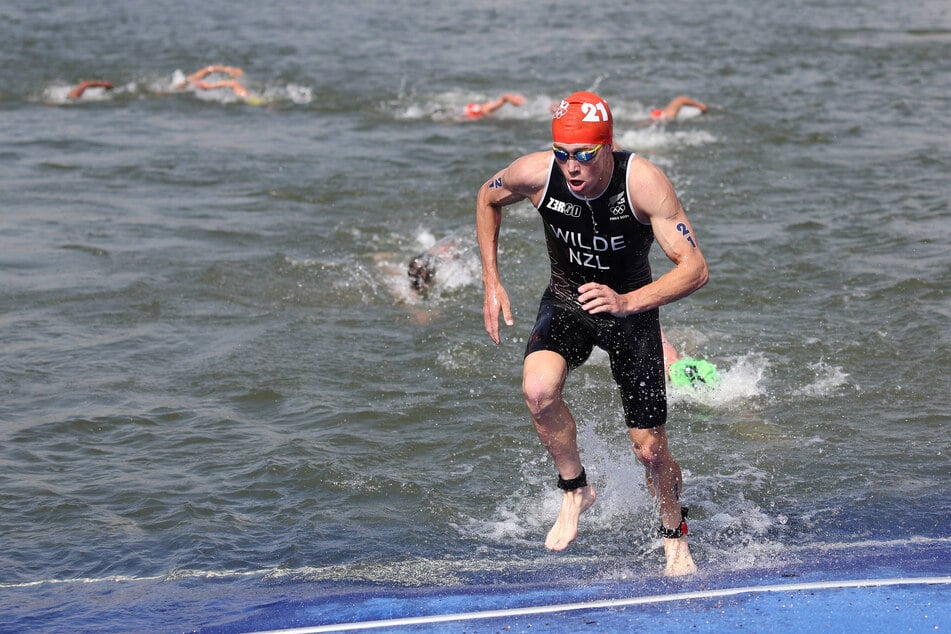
(598, 240)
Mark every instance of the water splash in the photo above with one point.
(741, 380)
(827, 379)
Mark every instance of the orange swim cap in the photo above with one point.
(474, 110)
(583, 117)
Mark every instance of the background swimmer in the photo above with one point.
(80, 88)
(475, 110)
(197, 80)
(422, 267)
(687, 371)
(673, 108)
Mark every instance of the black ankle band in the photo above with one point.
(574, 483)
(680, 531)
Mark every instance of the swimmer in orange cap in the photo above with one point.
(602, 210)
(197, 80)
(200, 74)
(476, 110)
(672, 109)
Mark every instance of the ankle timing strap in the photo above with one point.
(680, 531)
(574, 483)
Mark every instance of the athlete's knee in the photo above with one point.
(543, 378)
(541, 396)
(650, 449)
(646, 453)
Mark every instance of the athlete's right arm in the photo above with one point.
(524, 178)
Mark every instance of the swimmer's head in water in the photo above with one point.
(421, 271)
(474, 110)
(695, 373)
(582, 117)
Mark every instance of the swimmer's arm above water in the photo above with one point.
(81, 87)
(234, 71)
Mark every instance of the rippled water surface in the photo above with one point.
(213, 367)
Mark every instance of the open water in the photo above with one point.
(216, 384)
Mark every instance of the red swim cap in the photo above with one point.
(583, 117)
(474, 110)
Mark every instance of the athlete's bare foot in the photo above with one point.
(679, 561)
(573, 504)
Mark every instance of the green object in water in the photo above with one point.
(694, 373)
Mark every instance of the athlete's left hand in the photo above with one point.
(598, 298)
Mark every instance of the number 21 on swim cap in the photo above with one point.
(594, 112)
